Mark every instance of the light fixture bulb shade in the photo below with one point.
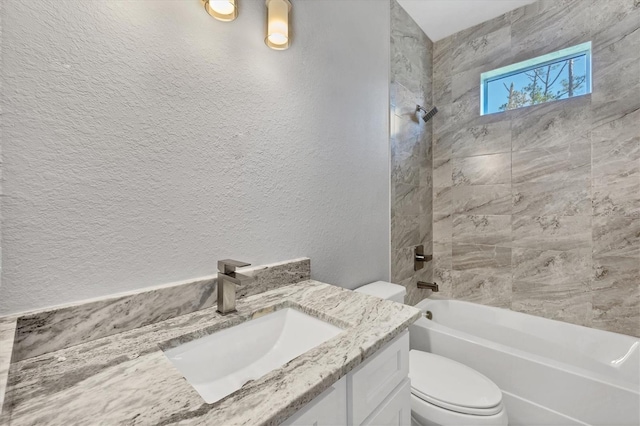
(278, 24)
(222, 10)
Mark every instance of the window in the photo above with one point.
(558, 75)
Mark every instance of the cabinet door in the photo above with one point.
(396, 410)
(328, 409)
(371, 383)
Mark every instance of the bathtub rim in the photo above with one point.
(546, 361)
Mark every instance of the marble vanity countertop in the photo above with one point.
(126, 378)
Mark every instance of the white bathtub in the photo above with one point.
(550, 372)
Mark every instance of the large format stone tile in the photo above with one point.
(404, 171)
(553, 124)
(442, 228)
(616, 77)
(525, 12)
(617, 199)
(613, 20)
(443, 125)
(616, 236)
(426, 161)
(616, 150)
(466, 108)
(409, 51)
(442, 203)
(415, 294)
(569, 302)
(482, 199)
(426, 230)
(551, 29)
(482, 170)
(406, 200)
(425, 198)
(551, 266)
(616, 294)
(617, 311)
(442, 255)
(482, 139)
(551, 232)
(402, 264)
(441, 83)
(412, 148)
(616, 94)
(486, 28)
(442, 65)
(573, 191)
(441, 91)
(403, 101)
(492, 49)
(426, 173)
(442, 172)
(442, 139)
(444, 281)
(571, 162)
(552, 198)
(482, 229)
(405, 130)
(405, 160)
(481, 258)
(492, 289)
(405, 231)
(465, 82)
(615, 272)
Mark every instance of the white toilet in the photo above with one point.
(443, 391)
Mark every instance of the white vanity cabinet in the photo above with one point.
(377, 392)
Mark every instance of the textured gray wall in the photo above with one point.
(143, 140)
(538, 209)
(411, 189)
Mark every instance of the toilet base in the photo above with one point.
(426, 414)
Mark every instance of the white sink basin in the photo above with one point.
(219, 364)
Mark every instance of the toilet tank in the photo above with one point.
(384, 290)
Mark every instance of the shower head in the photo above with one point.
(428, 115)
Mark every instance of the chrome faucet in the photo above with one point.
(228, 278)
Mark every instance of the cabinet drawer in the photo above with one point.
(372, 381)
(327, 409)
(396, 410)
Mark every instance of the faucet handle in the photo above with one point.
(227, 266)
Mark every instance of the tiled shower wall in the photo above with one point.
(411, 166)
(538, 209)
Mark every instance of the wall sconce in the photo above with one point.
(222, 10)
(278, 24)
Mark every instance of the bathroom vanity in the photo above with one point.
(359, 376)
(377, 392)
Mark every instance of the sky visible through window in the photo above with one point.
(552, 81)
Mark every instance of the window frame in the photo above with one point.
(579, 50)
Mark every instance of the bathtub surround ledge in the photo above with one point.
(125, 378)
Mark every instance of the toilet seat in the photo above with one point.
(452, 386)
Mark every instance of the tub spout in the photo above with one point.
(428, 286)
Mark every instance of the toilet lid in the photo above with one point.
(452, 386)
